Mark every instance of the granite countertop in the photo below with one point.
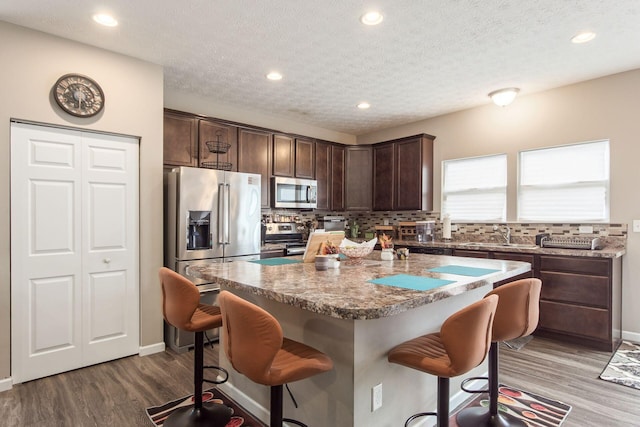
(345, 292)
(606, 252)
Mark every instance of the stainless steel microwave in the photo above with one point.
(294, 193)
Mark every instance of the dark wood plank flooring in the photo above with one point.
(117, 393)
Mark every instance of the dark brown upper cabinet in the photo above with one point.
(305, 158)
(219, 134)
(323, 174)
(180, 142)
(337, 177)
(409, 169)
(283, 155)
(358, 173)
(254, 156)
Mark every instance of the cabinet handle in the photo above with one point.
(106, 260)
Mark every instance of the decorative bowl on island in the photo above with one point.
(356, 251)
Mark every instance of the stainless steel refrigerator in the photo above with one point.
(211, 216)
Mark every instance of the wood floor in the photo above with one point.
(117, 393)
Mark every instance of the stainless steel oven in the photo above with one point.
(287, 233)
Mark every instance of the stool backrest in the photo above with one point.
(466, 335)
(251, 337)
(518, 310)
(180, 298)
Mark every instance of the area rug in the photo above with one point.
(241, 418)
(532, 409)
(624, 366)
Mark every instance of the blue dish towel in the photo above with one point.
(417, 283)
(276, 261)
(462, 270)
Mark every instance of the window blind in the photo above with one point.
(567, 183)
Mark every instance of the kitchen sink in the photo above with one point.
(500, 245)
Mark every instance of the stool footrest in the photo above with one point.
(421, 414)
(463, 385)
(221, 369)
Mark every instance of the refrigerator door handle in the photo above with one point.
(227, 216)
(221, 214)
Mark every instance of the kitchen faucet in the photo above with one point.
(506, 234)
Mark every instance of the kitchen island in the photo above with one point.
(356, 322)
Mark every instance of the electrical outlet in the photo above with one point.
(636, 225)
(585, 229)
(376, 397)
(454, 227)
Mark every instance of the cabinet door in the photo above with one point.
(214, 131)
(305, 158)
(337, 177)
(254, 156)
(414, 174)
(180, 144)
(283, 154)
(509, 256)
(383, 176)
(323, 174)
(358, 172)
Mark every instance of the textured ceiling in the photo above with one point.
(428, 57)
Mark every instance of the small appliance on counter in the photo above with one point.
(333, 223)
(425, 231)
(571, 243)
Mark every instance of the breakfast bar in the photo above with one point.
(342, 312)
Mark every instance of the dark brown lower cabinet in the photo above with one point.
(581, 297)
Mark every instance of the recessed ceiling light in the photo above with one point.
(364, 105)
(584, 37)
(106, 20)
(371, 18)
(274, 75)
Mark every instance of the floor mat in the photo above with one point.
(624, 366)
(241, 418)
(532, 409)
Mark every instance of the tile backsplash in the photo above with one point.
(613, 234)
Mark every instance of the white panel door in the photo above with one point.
(74, 249)
(110, 247)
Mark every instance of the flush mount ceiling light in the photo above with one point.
(371, 18)
(274, 75)
(105, 19)
(364, 105)
(583, 37)
(504, 97)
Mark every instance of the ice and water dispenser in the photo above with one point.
(425, 231)
(199, 230)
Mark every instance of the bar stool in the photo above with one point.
(517, 316)
(255, 346)
(182, 309)
(461, 345)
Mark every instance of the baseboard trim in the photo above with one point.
(6, 384)
(631, 336)
(151, 349)
(253, 407)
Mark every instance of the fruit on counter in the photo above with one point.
(328, 248)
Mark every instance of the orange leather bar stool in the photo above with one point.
(517, 316)
(461, 345)
(181, 308)
(255, 346)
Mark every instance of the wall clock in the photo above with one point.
(78, 95)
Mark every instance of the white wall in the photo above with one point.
(604, 108)
(31, 64)
(191, 103)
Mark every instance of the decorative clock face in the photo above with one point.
(78, 95)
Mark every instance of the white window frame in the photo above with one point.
(473, 191)
(562, 186)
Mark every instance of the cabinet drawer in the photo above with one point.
(566, 318)
(514, 257)
(470, 254)
(594, 266)
(575, 288)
